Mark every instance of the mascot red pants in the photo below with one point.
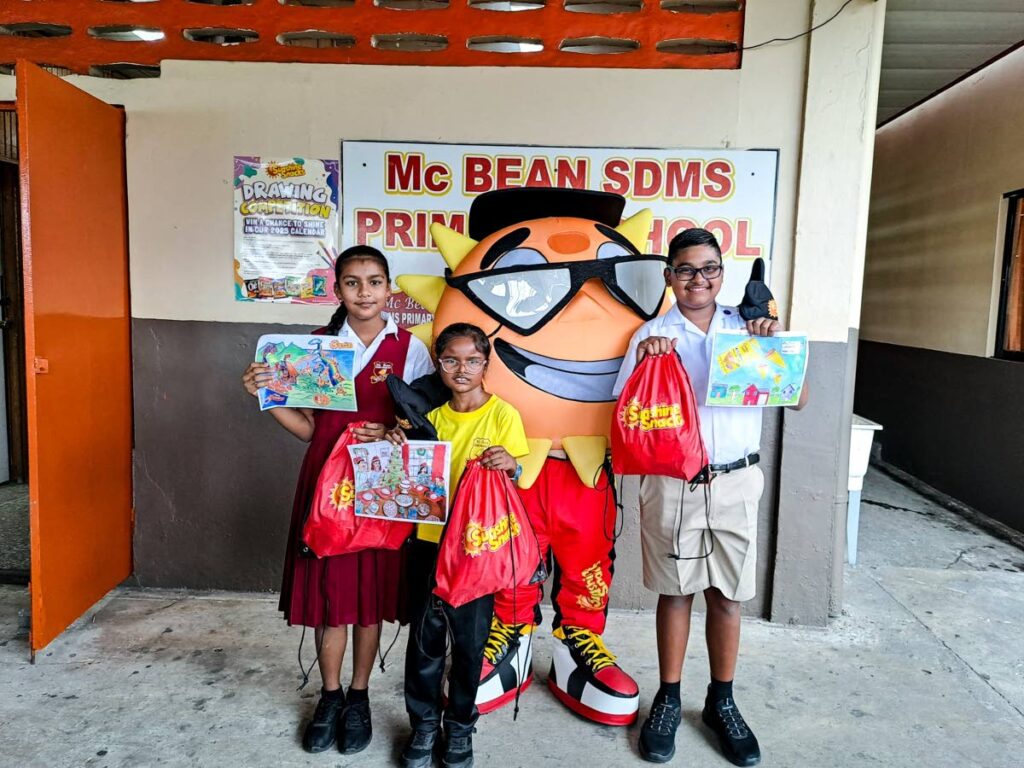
(576, 525)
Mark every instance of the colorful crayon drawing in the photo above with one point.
(756, 371)
(309, 372)
(403, 483)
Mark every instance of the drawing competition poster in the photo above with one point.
(757, 371)
(286, 229)
(309, 372)
(406, 483)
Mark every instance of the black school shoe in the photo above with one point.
(419, 749)
(658, 734)
(738, 743)
(322, 730)
(458, 752)
(356, 730)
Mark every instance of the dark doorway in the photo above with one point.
(14, 519)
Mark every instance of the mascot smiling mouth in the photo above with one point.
(585, 381)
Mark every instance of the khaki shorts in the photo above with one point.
(674, 521)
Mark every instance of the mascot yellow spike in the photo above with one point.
(637, 228)
(453, 246)
(559, 315)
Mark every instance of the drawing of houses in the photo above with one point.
(719, 392)
(788, 391)
(754, 396)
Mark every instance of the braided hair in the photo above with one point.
(360, 252)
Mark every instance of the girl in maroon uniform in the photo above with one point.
(361, 589)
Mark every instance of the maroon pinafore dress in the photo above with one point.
(363, 587)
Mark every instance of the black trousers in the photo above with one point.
(430, 622)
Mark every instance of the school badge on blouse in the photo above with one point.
(381, 370)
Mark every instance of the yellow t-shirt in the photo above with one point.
(494, 423)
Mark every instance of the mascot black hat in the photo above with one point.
(502, 208)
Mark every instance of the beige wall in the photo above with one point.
(184, 127)
(935, 235)
(835, 168)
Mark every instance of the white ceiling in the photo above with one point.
(930, 43)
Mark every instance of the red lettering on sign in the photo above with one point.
(476, 175)
(719, 183)
(572, 174)
(403, 173)
(646, 178)
(616, 174)
(368, 224)
(509, 172)
(397, 229)
(744, 248)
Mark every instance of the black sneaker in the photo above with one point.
(419, 749)
(356, 730)
(458, 752)
(322, 730)
(738, 743)
(658, 734)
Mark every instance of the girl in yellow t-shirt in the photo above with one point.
(477, 424)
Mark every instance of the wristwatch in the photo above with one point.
(518, 472)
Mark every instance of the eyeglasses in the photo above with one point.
(687, 273)
(451, 365)
(525, 297)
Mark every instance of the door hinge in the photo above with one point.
(41, 365)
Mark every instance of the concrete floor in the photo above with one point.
(924, 668)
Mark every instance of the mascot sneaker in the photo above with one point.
(507, 665)
(585, 677)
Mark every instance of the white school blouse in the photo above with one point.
(417, 358)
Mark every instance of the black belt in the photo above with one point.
(721, 469)
(750, 461)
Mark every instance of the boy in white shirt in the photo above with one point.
(704, 539)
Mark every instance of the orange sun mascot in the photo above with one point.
(559, 283)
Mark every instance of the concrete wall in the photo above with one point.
(935, 244)
(969, 447)
(844, 63)
(212, 479)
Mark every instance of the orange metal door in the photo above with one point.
(77, 348)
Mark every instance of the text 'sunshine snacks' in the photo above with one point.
(656, 430)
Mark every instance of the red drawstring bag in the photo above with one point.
(332, 527)
(489, 544)
(656, 430)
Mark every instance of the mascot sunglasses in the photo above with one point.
(526, 297)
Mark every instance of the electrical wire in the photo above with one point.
(802, 34)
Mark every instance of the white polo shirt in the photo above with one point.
(417, 358)
(730, 433)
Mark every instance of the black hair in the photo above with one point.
(367, 252)
(689, 238)
(460, 331)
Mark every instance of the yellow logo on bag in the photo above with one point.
(658, 416)
(342, 494)
(478, 539)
